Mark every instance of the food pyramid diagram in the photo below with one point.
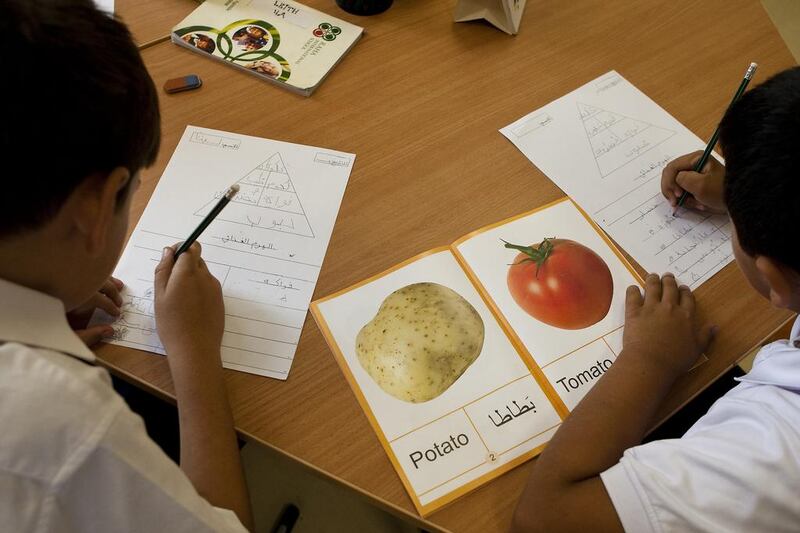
(616, 140)
(267, 199)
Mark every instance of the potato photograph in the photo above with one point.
(561, 283)
(423, 338)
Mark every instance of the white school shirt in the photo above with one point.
(73, 457)
(736, 469)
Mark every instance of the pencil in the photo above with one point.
(227, 197)
(713, 141)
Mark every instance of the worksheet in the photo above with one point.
(605, 145)
(105, 5)
(266, 247)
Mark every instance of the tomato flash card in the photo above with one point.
(466, 358)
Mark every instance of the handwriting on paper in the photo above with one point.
(215, 140)
(532, 124)
(331, 159)
(606, 147)
(607, 82)
(262, 247)
(293, 13)
(246, 242)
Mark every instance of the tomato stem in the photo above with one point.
(538, 255)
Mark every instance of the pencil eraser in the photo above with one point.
(185, 83)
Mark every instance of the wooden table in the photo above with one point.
(151, 20)
(420, 100)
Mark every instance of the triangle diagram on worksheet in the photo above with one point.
(616, 140)
(266, 199)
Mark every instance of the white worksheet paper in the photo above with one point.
(266, 247)
(105, 5)
(605, 145)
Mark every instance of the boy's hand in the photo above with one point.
(109, 300)
(190, 313)
(705, 188)
(662, 326)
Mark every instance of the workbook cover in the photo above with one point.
(282, 42)
(466, 358)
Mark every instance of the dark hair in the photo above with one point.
(760, 137)
(78, 103)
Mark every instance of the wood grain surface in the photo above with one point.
(150, 20)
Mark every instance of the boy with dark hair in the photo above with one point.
(738, 467)
(74, 137)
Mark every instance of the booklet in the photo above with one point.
(466, 358)
(282, 42)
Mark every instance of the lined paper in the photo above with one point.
(266, 247)
(606, 144)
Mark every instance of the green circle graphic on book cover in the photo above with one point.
(252, 43)
(327, 31)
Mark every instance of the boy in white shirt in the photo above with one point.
(738, 467)
(74, 136)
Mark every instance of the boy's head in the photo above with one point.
(760, 137)
(79, 120)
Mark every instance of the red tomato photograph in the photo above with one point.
(561, 283)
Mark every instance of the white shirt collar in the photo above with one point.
(794, 336)
(36, 319)
(778, 363)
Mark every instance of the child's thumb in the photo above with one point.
(690, 181)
